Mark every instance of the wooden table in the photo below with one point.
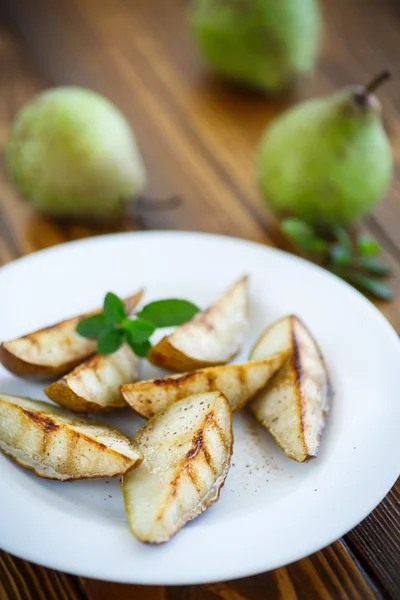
(198, 139)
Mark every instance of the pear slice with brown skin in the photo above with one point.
(187, 450)
(56, 444)
(238, 382)
(94, 386)
(294, 406)
(212, 337)
(53, 351)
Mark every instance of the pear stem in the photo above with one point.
(376, 82)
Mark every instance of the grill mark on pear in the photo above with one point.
(242, 376)
(198, 447)
(192, 476)
(198, 442)
(46, 423)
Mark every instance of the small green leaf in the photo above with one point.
(303, 235)
(375, 266)
(139, 348)
(340, 255)
(139, 330)
(168, 313)
(343, 238)
(366, 245)
(372, 285)
(110, 340)
(91, 327)
(114, 309)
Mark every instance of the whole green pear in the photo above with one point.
(326, 161)
(72, 153)
(264, 44)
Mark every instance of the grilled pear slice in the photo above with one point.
(212, 337)
(187, 450)
(55, 444)
(239, 383)
(294, 406)
(54, 350)
(94, 386)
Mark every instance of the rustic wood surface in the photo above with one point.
(198, 139)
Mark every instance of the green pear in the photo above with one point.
(264, 44)
(327, 161)
(72, 153)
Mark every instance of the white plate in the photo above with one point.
(272, 510)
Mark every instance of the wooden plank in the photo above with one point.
(324, 576)
(377, 543)
(21, 580)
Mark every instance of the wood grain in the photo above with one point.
(21, 580)
(327, 574)
(198, 139)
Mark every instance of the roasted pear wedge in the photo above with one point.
(94, 386)
(54, 350)
(212, 337)
(55, 444)
(239, 383)
(187, 450)
(294, 406)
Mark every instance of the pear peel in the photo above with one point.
(72, 154)
(261, 44)
(326, 161)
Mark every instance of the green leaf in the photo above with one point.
(168, 313)
(91, 327)
(114, 309)
(110, 340)
(139, 330)
(139, 348)
(366, 245)
(375, 266)
(372, 285)
(340, 255)
(303, 235)
(343, 238)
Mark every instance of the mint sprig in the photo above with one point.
(113, 309)
(91, 327)
(168, 313)
(112, 327)
(351, 258)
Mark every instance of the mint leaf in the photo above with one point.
(168, 313)
(114, 309)
(303, 236)
(340, 255)
(366, 245)
(110, 340)
(139, 330)
(139, 348)
(372, 285)
(91, 327)
(343, 238)
(375, 266)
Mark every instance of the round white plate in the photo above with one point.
(272, 510)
